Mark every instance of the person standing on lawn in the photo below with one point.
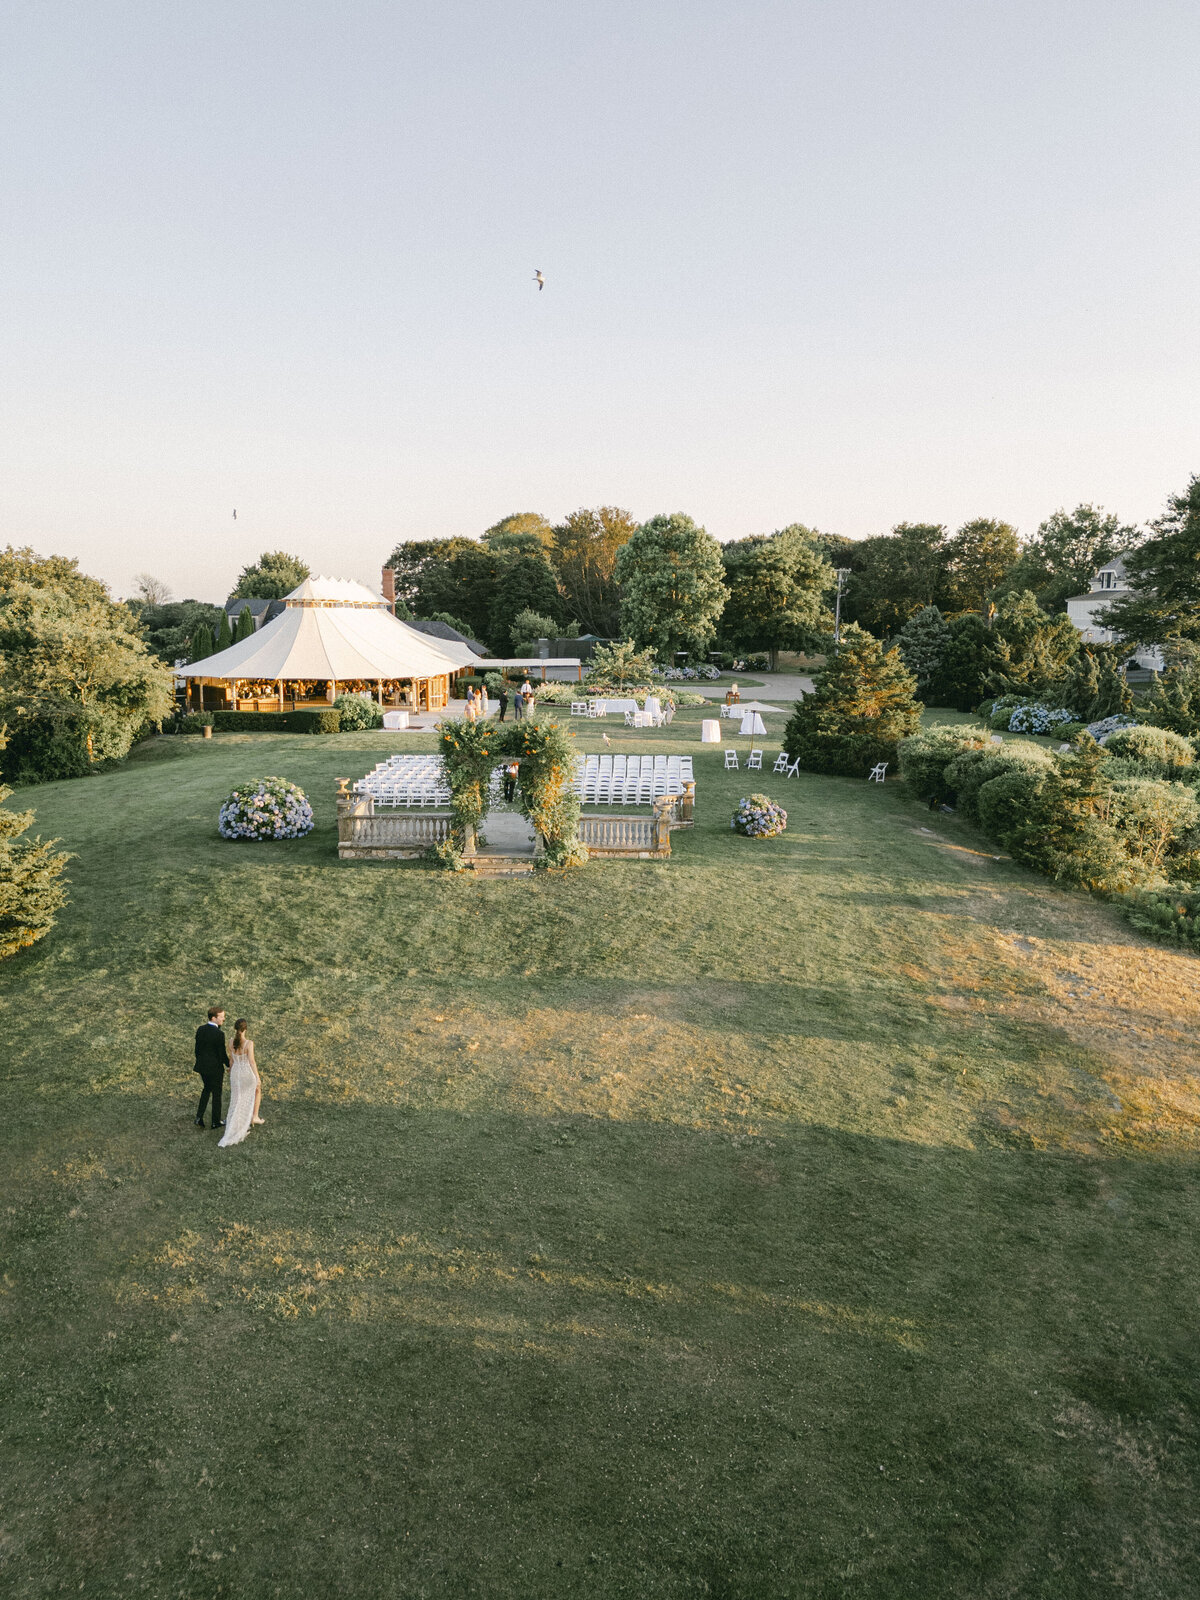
(212, 1058)
(503, 697)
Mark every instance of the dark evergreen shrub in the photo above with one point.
(321, 720)
(862, 706)
(1172, 915)
(1004, 803)
(251, 721)
(925, 756)
(1159, 752)
(968, 771)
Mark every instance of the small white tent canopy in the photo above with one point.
(337, 631)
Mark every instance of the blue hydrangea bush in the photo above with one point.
(758, 817)
(272, 808)
(1101, 730)
(1037, 718)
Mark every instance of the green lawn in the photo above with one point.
(809, 1217)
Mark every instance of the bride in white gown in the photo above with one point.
(245, 1088)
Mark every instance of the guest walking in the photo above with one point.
(470, 711)
(518, 706)
(510, 780)
(503, 696)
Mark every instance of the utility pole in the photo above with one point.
(842, 574)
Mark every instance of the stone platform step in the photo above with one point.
(486, 865)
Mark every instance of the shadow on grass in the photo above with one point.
(374, 1351)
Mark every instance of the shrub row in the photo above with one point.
(319, 720)
(1091, 819)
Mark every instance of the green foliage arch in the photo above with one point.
(470, 753)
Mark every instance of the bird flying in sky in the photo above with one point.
(540, 281)
(235, 516)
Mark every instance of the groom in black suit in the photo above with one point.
(212, 1058)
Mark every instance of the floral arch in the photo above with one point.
(470, 753)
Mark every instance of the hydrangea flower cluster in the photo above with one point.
(758, 817)
(686, 674)
(1038, 719)
(1101, 730)
(272, 808)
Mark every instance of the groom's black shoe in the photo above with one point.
(218, 1124)
(198, 1121)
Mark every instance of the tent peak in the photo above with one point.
(323, 591)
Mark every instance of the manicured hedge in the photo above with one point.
(250, 721)
(322, 720)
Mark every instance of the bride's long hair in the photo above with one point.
(239, 1033)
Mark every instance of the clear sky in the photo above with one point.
(842, 263)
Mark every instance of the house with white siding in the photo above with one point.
(1083, 609)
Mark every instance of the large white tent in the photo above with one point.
(333, 632)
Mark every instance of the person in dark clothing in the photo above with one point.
(510, 780)
(503, 700)
(212, 1058)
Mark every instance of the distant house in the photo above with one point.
(260, 610)
(1107, 585)
(443, 630)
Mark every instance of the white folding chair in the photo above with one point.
(579, 708)
(731, 761)
(781, 762)
(754, 760)
(878, 772)
(794, 770)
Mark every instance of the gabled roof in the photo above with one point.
(443, 630)
(258, 608)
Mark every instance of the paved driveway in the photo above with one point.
(779, 688)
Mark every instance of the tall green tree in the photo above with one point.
(837, 550)
(1164, 577)
(202, 643)
(459, 577)
(520, 534)
(1030, 652)
(923, 642)
(272, 576)
(672, 585)
(32, 888)
(411, 559)
(522, 583)
(776, 586)
(245, 625)
(894, 575)
(965, 661)
(527, 628)
(168, 629)
(76, 679)
(864, 702)
(586, 546)
(224, 632)
(1067, 549)
(978, 558)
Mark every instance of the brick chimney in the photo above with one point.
(389, 589)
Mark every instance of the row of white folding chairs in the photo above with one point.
(753, 761)
(678, 763)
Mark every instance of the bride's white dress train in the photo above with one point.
(242, 1084)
